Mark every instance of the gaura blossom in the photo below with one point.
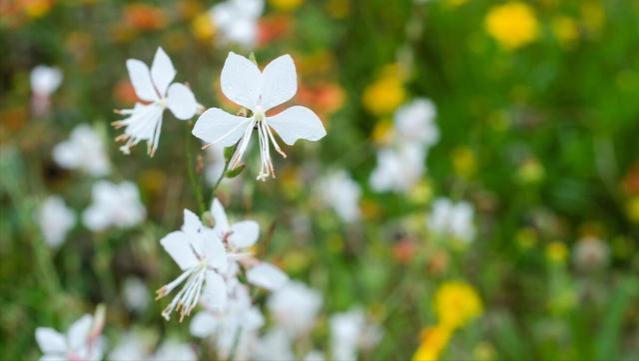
(399, 168)
(258, 91)
(350, 332)
(172, 350)
(45, 80)
(455, 220)
(83, 150)
(294, 308)
(415, 122)
(113, 205)
(144, 121)
(81, 343)
(201, 256)
(274, 345)
(236, 21)
(135, 294)
(55, 220)
(342, 193)
(235, 327)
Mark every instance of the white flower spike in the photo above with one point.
(144, 121)
(258, 91)
(201, 255)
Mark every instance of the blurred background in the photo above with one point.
(477, 194)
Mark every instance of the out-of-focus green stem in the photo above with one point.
(195, 187)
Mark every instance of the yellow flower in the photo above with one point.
(593, 16)
(633, 209)
(531, 171)
(386, 93)
(37, 8)
(286, 5)
(566, 30)
(383, 132)
(433, 342)
(526, 238)
(556, 252)
(456, 304)
(202, 27)
(513, 24)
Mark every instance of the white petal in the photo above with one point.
(78, 333)
(162, 71)
(141, 80)
(203, 325)
(297, 123)
(241, 80)
(267, 276)
(53, 358)
(244, 234)
(177, 245)
(181, 101)
(279, 82)
(50, 340)
(217, 126)
(214, 295)
(192, 224)
(221, 221)
(214, 250)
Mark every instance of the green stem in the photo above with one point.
(195, 187)
(219, 180)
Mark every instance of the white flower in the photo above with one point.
(398, 169)
(132, 347)
(55, 220)
(237, 326)
(314, 355)
(135, 294)
(294, 308)
(244, 84)
(414, 122)
(83, 150)
(239, 238)
(448, 219)
(171, 350)
(275, 345)
(200, 253)
(350, 331)
(116, 205)
(45, 80)
(236, 20)
(342, 193)
(81, 343)
(144, 121)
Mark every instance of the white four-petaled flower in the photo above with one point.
(83, 150)
(144, 121)
(55, 220)
(115, 205)
(81, 343)
(236, 20)
(258, 91)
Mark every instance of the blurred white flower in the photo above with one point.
(350, 332)
(274, 345)
(415, 122)
(116, 205)
(144, 121)
(243, 83)
(132, 347)
(135, 294)
(591, 254)
(448, 219)
(172, 350)
(83, 150)
(267, 276)
(294, 308)
(342, 193)
(45, 80)
(398, 169)
(237, 325)
(55, 220)
(236, 20)
(82, 342)
(314, 355)
(201, 255)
